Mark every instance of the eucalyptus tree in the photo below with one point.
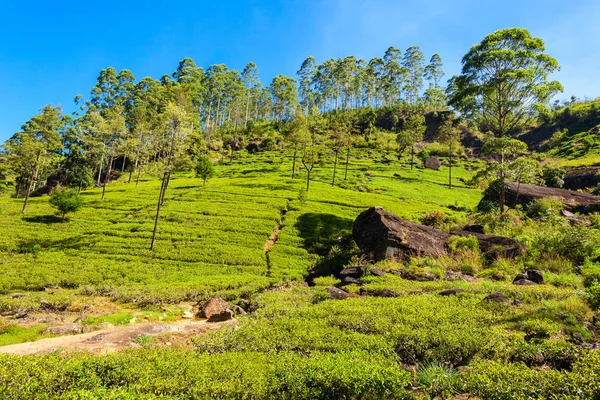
(284, 94)
(413, 63)
(176, 123)
(434, 96)
(393, 75)
(37, 147)
(306, 80)
(252, 85)
(503, 80)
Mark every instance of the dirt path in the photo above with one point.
(275, 235)
(111, 340)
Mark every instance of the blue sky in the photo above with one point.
(52, 50)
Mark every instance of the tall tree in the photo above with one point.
(37, 147)
(413, 63)
(252, 85)
(306, 77)
(284, 94)
(503, 79)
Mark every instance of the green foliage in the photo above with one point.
(66, 201)
(204, 168)
(436, 219)
(436, 379)
(553, 176)
(456, 243)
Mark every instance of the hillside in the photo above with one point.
(252, 234)
(571, 133)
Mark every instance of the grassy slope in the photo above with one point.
(299, 344)
(211, 239)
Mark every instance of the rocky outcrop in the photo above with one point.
(582, 177)
(496, 298)
(383, 235)
(451, 292)
(222, 316)
(524, 194)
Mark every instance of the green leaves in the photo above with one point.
(503, 78)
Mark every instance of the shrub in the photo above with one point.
(544, 208)
(463, 242)
(553, 177)
(435, 219)
(436, 379)
(204, 168)
(66, 201)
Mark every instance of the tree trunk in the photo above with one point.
(137, 179)
(347, 161)
(502, 187)
(412, 156)
(100, 171)
(123, 165)
(27, 192)
(307, 179)
(334, 167)
(107, 178)
(294, 161)
(160, 198)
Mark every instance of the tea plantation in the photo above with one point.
(254, 233)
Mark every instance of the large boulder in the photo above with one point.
(215, 305)
(494, 247)
(524, 194)
(222, 316)
(383, 235)
(433, 163)
(337, 294)
(352, 272)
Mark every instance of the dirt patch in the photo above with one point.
(114, 339)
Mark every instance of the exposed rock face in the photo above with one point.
(524, 194)
(494, 247)
(337, 294)
(384, 235)
(376, 272)
(532, 275)
(215, 305)
(582, 177)
(524, 282)
(349, 281)
(433, 163)
(237, 310)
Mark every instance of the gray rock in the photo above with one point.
(349, 281)
(496, 298)
(433, 163)
(352, 272)
(532, 275)
(66, 329)
(524, 282)
(377, 272)
(451, 292)
(337, 294)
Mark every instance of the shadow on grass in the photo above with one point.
(43, 219)
(321, 232)
(35, 245)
